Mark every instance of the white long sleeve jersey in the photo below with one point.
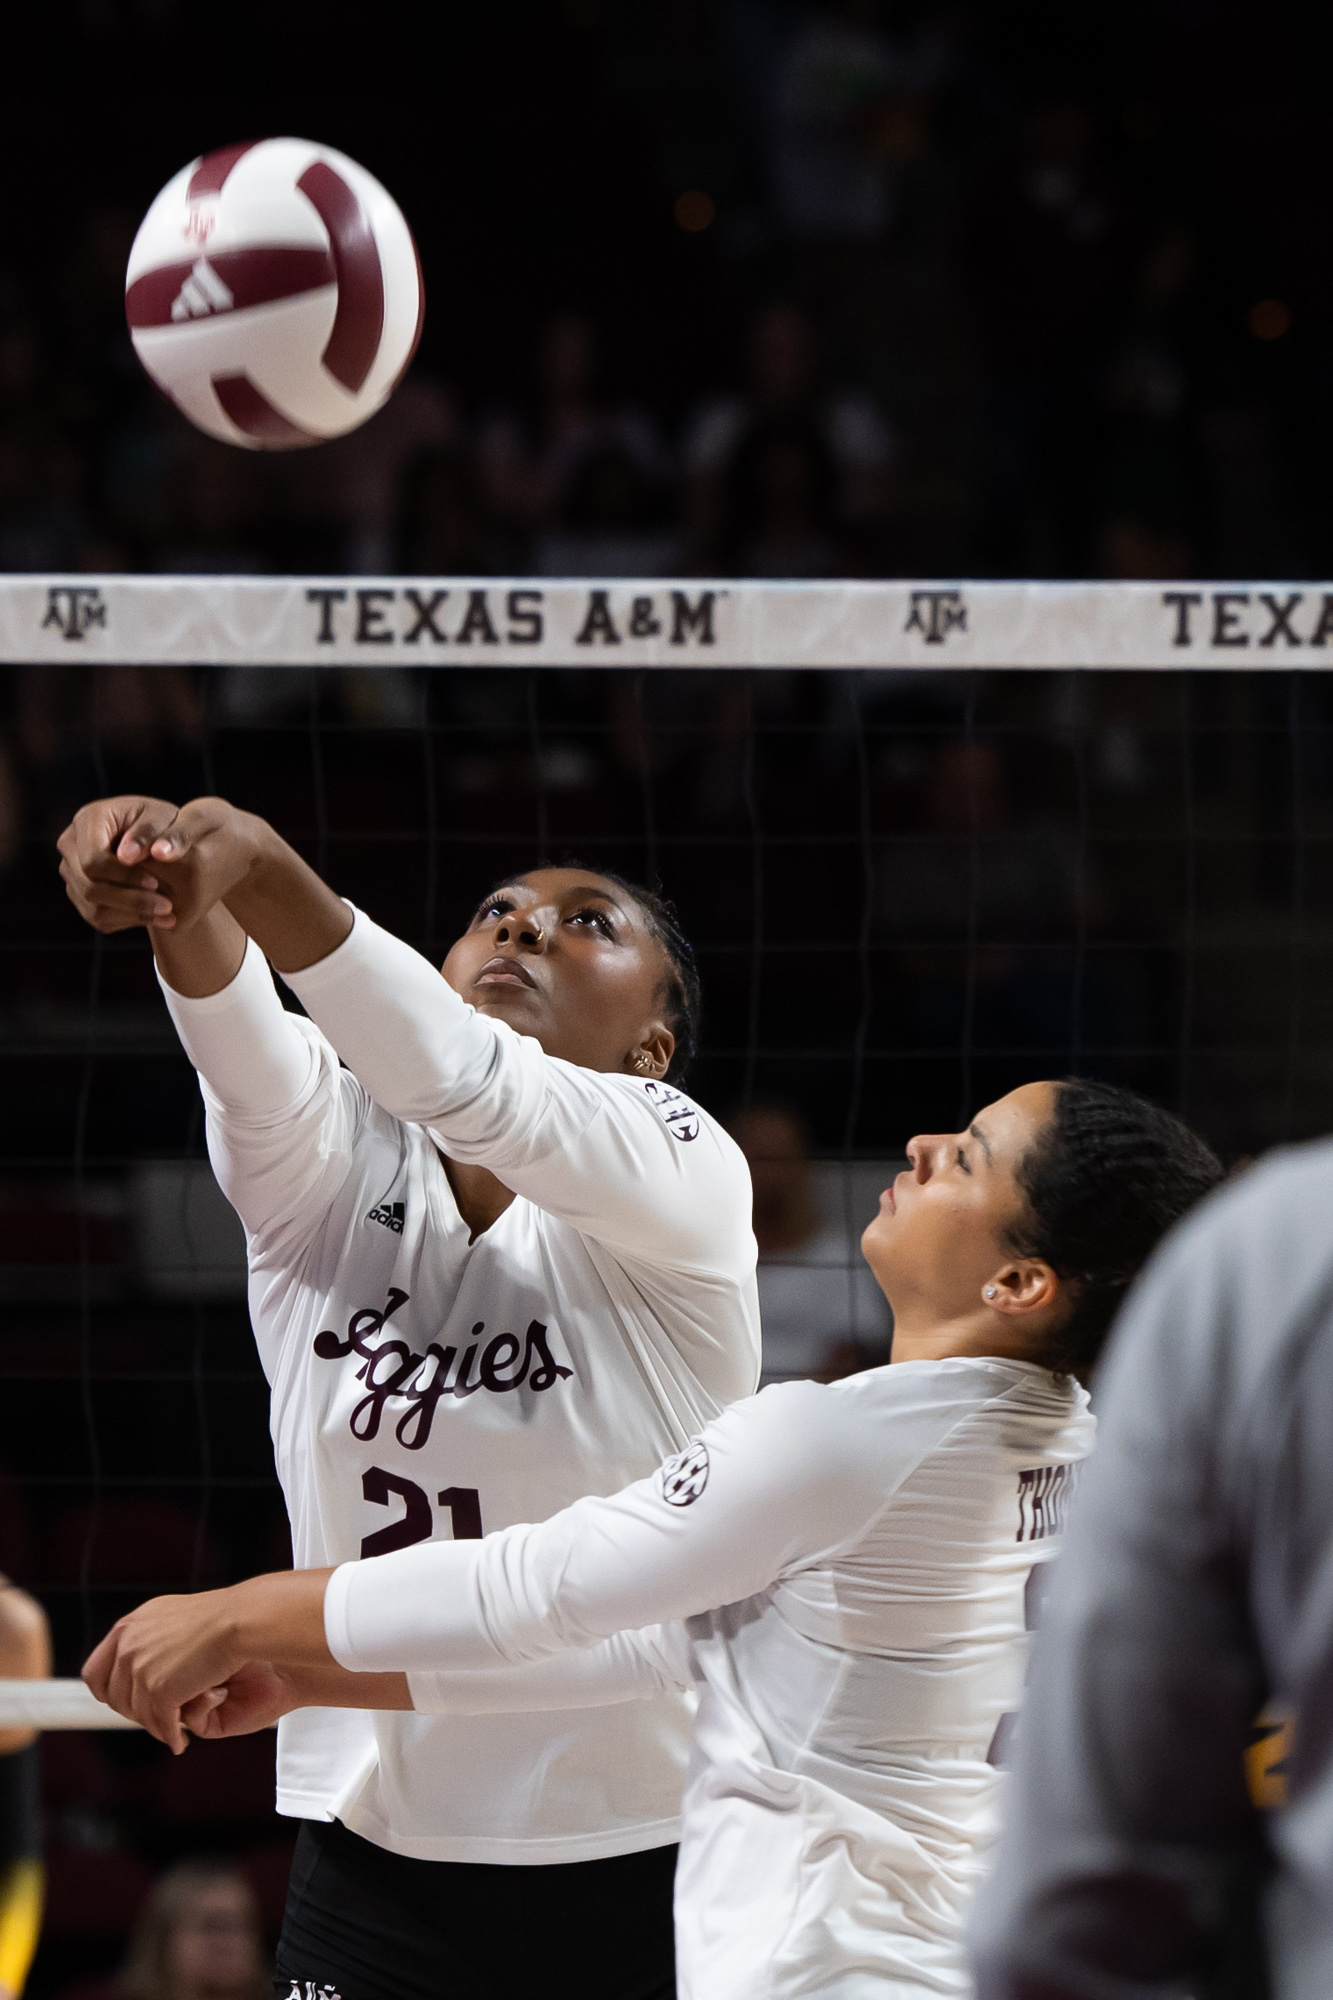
(847, 1572)
(425, 1386)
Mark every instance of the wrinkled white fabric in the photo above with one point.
(850, 1565)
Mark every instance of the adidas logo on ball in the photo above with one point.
(302, 317)
(203, 292)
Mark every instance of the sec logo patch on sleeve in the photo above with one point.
(685, 1476)
(674, 1108)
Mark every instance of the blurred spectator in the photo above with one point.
(850, 103)
(782, 521)
(25, 1654)
(536, 468)
(611, 523)
(197, 1939)
(1144, 497)
(42, 499)
(215, 510)
(131, 728)
(339, 504)
(1045, 265)
(11, 810)
(440, 527)
(966, 867)
(821, 1312)
(779, 478)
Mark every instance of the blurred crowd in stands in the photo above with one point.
(954, 307)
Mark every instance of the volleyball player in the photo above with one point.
(854, 1566)
(25, 1654)
(499, 1262)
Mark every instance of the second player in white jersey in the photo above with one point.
(870, 1545)
(844, 1573)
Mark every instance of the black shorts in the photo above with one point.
(364, 1924)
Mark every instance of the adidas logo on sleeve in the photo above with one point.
(390, 1214)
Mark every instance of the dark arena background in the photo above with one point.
(998, 293)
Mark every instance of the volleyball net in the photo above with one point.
(930, 841)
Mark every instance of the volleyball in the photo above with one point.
(274, 293)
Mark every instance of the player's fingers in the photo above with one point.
(114, 906)
(144, 829)
(96, 829)
(205, 1715)
(167, 1726)
(196, 1712)
(159, 1715)
(191, 824)
(86, 860)
(97, 1668)
(132, 1692)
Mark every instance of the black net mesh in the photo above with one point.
(908, 892)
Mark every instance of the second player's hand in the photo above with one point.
(164, 1655)
(255, 1697)
(160, 1658)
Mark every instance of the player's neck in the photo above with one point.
(973, 1336)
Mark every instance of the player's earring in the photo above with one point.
(988, 1291)
(642, 1060)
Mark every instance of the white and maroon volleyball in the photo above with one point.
(274, 293)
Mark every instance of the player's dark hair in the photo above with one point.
(683, 996)
(1109, 1176)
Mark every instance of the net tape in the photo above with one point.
(55, 1704)
(475, 621)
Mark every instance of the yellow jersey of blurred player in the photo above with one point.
(25, 1654)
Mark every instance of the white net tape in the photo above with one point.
(55, 1705)
(488, 621)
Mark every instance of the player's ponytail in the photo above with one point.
(1109, 1176)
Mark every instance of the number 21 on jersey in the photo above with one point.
(416, 1522)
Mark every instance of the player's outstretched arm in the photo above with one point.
(257, 1650)
(281, 1119)
(776, 1480)
(631, 1666)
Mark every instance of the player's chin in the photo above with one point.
(522, 1006)
(876, 1238)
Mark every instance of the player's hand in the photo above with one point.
(163, 1656)
(255, 1697)
(104, 862)
(193, 857)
